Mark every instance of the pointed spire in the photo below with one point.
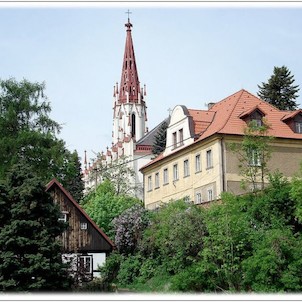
(129, 85)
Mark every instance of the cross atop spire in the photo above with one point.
(128, 25)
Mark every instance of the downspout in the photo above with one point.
(222, 149)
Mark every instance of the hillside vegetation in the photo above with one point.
(249, 243)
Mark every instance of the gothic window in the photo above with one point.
(133, 125)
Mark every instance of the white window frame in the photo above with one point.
(181, 137)
(83, 225)
(198, 198)
(197, 163)
(186, 168)
(175, 172)
(209, 158)
(210, 194)
(174, 140)
(156, 180)
(298, 127)
(254, 158)
(165, 176)
(63, 216)
(87, 262)
(150, 183)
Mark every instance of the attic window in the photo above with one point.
(63, 216)
(298, 127)
(256, 117)
(83, 226)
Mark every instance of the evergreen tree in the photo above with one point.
(30, 254)
(74, 182)
(160, 138)
(279, 90)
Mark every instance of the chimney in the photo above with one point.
(210, 105)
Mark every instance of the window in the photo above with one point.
(209, 159)
(257, 122)
(186, 168)
(181, 137)
(149, 183)
(198, 198)
(85, 264)
(298, 127)
(83, 225)
(174, 140)
(175, 172)
(156, 180)
(197, 163)
(210, 194)
(63, 216)
(254, 157)
(166, 176)
(187, 199)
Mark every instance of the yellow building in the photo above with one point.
(198, 164)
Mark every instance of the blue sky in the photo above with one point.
(186, 54)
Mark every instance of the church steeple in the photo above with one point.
(129, 100)
(129, 85)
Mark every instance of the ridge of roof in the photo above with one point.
(152, 132)
(54, 182)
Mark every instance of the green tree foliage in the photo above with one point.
(247, 243)
(160, 138)
(30, 254)
(254, 153)
(74, 184)
(279, 90)
(29, 134)
(104, 204)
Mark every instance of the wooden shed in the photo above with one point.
(84, 243)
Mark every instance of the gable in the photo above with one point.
(76, 238)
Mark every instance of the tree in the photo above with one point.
(29, 134)
(254, 153)
(30, 254)
(279, 90)
(104, 204)
(160, 138)
(74, 182)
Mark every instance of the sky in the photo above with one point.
(186, 54)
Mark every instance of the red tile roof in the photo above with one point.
(226, 117)
(228, 112)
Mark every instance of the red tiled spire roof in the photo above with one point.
(129, 80)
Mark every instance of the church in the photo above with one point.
(131, 140)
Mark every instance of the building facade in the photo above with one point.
(199, 164)
(84, 244)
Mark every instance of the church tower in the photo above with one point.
(129, 104)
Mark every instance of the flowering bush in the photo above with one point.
(129, 227)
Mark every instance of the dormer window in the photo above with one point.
(254, 115)
(298, 127)
(294, 121)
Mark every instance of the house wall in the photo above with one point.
(74, 239)
(286, 157)
(186, 186)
